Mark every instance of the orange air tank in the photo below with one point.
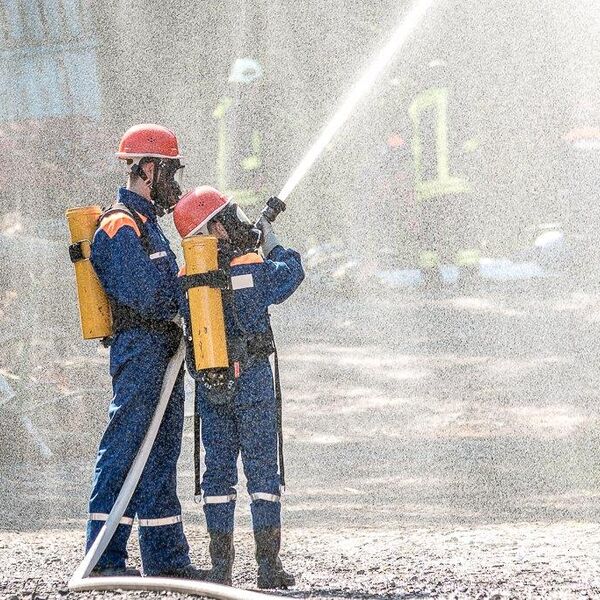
(94, 308)
(207, 321)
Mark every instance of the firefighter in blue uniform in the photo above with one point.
(138, 271)
(244, 421)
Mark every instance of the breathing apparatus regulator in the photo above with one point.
(140, 145)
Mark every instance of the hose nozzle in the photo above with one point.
(273, 208)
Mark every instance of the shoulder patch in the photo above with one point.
(114, 222)
(252, 258)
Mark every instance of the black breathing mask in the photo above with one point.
(244, 237)
(165, 190)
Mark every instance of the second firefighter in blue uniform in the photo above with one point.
(245, 421)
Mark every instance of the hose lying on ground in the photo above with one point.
(185, 586)
(81, 582)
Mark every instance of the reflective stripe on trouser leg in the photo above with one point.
(265, 513)
(104, 517)
(160, 522)
(265, 496)
(219, 512)
(219, 499)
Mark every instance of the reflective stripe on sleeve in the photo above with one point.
(264, 496)
(159, 522)
(158, 255)
(219, 499)
(104, 517)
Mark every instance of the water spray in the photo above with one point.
(80, 580)
(399, 36)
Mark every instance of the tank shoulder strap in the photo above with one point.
(119, 207)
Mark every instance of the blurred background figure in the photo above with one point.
(240, 134)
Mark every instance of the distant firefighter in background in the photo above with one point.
(447, 231)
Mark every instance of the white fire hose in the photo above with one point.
(164, 584)
(81, 582)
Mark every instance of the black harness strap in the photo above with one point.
(215, 279)
(119, 207)
(76, 251)
(261, 345)
(197, 489)
(279, 401)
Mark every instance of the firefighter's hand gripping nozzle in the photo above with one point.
(269, 213)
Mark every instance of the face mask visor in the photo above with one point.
(166, 189)
(241, 215)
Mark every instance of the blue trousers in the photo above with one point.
(247, 426)
(138, 363)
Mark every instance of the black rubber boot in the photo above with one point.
(270, 570)
(222, 553)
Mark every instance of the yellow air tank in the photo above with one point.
(94, 309)
(206, 305)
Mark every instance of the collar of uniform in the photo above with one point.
(137, 203)
(252, 258)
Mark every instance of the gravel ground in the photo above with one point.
(503, 561)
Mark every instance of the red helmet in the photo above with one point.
(148, 140)
(196, 208)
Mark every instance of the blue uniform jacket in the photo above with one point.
(146, 283)
(257, 284)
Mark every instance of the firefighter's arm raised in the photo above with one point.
(283, 268)
(283, 273)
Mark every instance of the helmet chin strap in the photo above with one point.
(137, 170)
